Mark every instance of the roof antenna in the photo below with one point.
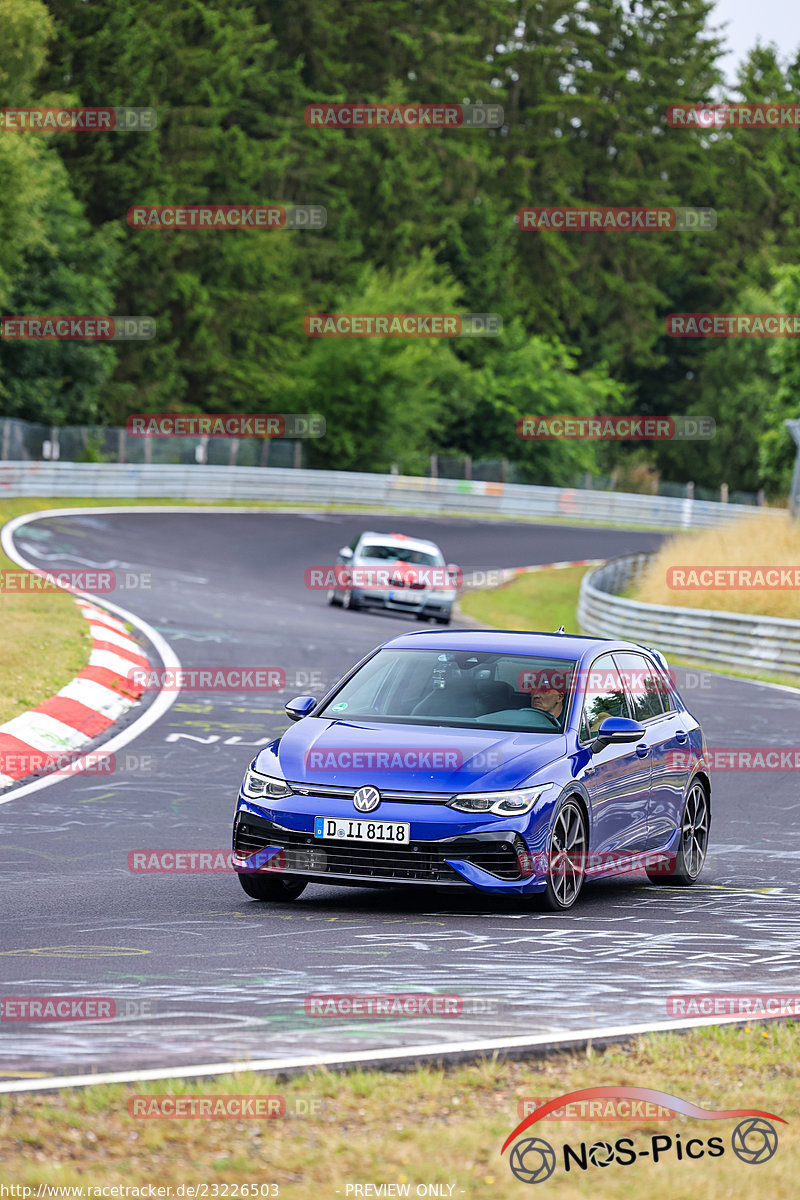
(560, 629)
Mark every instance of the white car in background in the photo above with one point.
(392, 571)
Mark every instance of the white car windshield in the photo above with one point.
(382, 553)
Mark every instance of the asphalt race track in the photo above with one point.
(201, 974)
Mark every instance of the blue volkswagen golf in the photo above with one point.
(504, 761)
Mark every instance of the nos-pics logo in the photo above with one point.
(533, 1160)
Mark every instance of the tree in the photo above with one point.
(50, 261)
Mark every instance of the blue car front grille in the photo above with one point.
(417, 862)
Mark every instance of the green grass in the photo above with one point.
(541, 600)
(44, 640)
(428, 1125)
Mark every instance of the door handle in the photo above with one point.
(680, 736)
(590, 770)
(642, 751)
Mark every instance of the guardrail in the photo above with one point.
(737, 639)
(401, 492)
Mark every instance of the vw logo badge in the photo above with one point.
(367, 798)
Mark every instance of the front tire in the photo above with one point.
(693, 844)
(349, 601)
(566, 859)
(264, 887)
(333, 599)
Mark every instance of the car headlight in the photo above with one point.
(506, 804)
(264, 787)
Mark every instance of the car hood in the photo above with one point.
(416, 758)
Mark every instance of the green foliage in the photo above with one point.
(777, 448)
(417, 220)
(50, 260)
(385, 403)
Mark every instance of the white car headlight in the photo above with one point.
(506, 804)
(264, 787)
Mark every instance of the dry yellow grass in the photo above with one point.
(754, 542)
(426, 1126)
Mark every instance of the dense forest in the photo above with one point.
(418, 220)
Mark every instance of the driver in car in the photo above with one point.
(548, 694)
(548, 699)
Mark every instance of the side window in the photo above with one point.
(644, 685)
(667, 700)
(604, 696)
(355, 542)
(584, 734)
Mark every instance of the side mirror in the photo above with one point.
(616, 731)
(300, 707)
(345, 552)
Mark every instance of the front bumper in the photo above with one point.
(492, 862)
(411, 600)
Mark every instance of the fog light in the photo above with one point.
(525, 864)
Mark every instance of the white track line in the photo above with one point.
(162, 702)
(439, 1051)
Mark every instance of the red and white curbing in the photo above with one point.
(506, 574)
(39, 740)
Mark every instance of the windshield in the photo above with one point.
(400, 554)
(517, 692)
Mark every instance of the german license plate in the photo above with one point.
(358, 830)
